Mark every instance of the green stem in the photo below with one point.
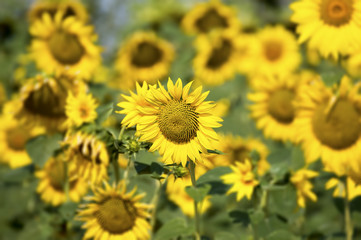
(155, 203)
(121, 133)
(126, 171)
(192, 172)
(348, 220)
(116, 170)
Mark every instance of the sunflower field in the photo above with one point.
(180, 119)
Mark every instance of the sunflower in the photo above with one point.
(89, 154)
(205, 17)
(324, 20)
(248, 47)
(273, 105)
(115, 214)
(328, 124)
(70, 7)
(353, 64)
(300, 179)
(53, 179)
(64, 45)
(242, 179)
(217, 57)
(143, 57)
(354, 189)
(180, 125)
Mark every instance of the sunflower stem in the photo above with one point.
(348, 220)
(116, 170)
(126, 172)
(192, 172)
(154, 203)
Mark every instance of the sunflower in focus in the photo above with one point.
(217, 57)
(143, 57)
(242, 179)
(89, 154)
(205, 17)
(353, 188)
(64, 45)
(53, 180)
(178, 123)
(300, 179)
(331, 26)
(329, 124)
(115, 214)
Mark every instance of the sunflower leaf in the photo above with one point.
(173, 229)
(198, 193)
(104, 112)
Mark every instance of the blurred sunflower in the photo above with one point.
(247, 48)
(89, 154)
(69, 7)
(115, 214)
(353, 64)
(300, 179)
(217, 57)
(143, 57)
(64, 45)
(180, 125)
(205, 17)
(329, 124)
(322, 20)
(242, 179)
(53, 180)
(354, 188)
(222, 107)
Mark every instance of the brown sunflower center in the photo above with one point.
(340, 127)
(220, 55)
(57, 176)
(239, 154)
(273, 50)
(16, 138)
(146, 55)
(178, 122)
(210, 20)
(66, 48)
(116, 215)
(280, 106)
(336, 12)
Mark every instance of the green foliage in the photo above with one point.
(198, 193)
(173, 229)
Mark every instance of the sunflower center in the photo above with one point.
(340, 127)
(280, 106)
(65, 47)
(116, 215)
(210, 20)
(178, 122)
(146, 55)
(240, 154)
(220, 55)
(56, 175)
(84, 111)
(16, 138)
(273, 50)
(336, 12)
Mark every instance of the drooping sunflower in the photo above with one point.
(353, 188)
(64, 45)
(178, 123)
(143, 57)
(321, 20)
(205, 17)
(89, 154)
(242, 179)
(328, 124)
(300, 179)
(115, 214)
(53, 180)
(217, 57)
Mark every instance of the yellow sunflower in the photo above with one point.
(115, 214)
(64, 45)
(248, 47)
(331, 26)
(90, 156)
(217, 57)
(242, 179)
(70, 7)
(300, 179)
(143, 57)
(178, 123)
(53, 180)
(205, 17)
(354, 189)
(353, 64)
(13, 137)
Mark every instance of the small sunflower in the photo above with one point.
(53, 180)
(331, 26)
(143, 57)
(205, 17)
(242, 179)
(115, 214)
(64, 45)
(354, 189)
(180, 125)
(329, 125)
(89, 154)
(217, 57)
(300, 179)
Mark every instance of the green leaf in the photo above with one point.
(257, 216)
(240, 217)
(198, 193)
(173, 229)
(297, 158)
(281, 235)
(213, 175)
(68, 210)
(225, 236)
(104, 112)
(41, 148)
